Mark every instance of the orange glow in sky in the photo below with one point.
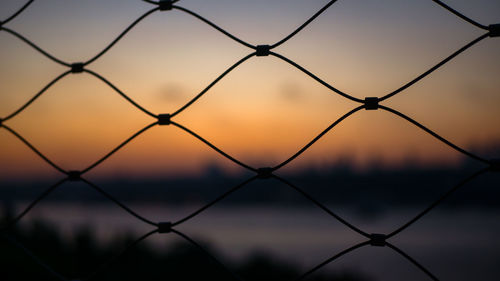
(263, 111)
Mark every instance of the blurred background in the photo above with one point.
(374, 169)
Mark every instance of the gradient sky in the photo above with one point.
(262, 112)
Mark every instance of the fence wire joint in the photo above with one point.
(371, 103)
(164, 119)
(262, 50)
(378, 240)
(164, 227)
(74, 175)
(265, 173)
(77, 67)
(493, 28)
(165, 5)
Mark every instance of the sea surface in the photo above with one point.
(453, 244)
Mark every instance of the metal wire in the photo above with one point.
(413, 261)
(214, 259)
(344, 252)
(35, 202)
(261, 173)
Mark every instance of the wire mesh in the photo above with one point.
(262, 173)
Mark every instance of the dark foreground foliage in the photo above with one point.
(85, 258)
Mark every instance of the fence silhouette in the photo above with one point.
(260, 173)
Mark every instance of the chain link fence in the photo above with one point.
(260, 173)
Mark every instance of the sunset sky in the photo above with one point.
(262, 112)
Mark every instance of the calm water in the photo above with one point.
(452, 244)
